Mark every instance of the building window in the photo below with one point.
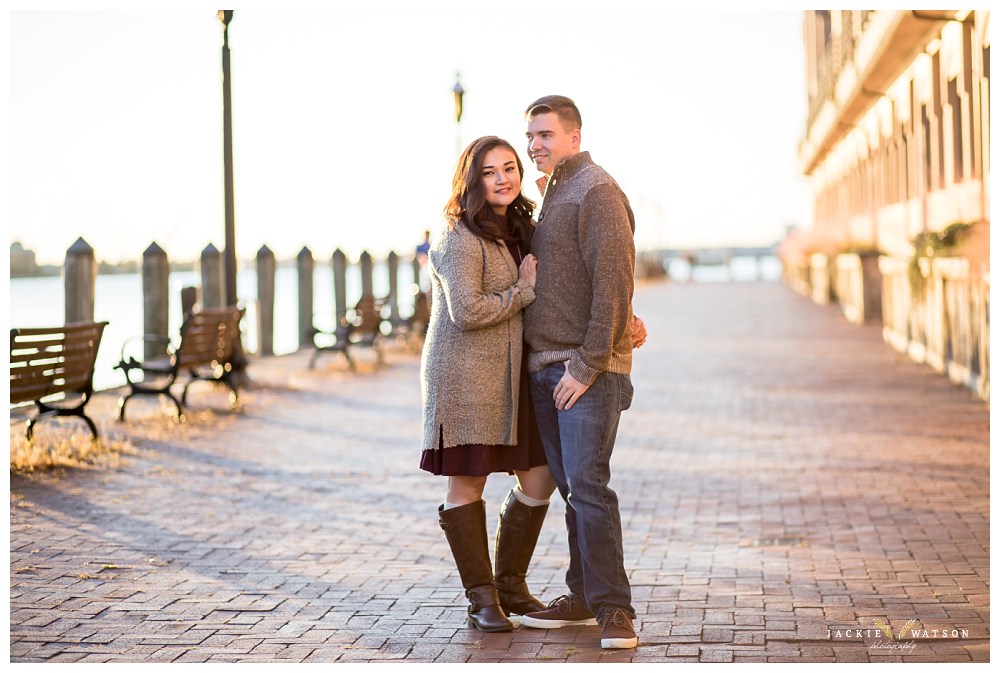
(968, 89)
(823, 27)
(884, 176)
(846, 37)
(984, 104)
(906, 178)
(912, 144)
(938, 114)
(928, 164)
(896, 172)
(867, 180)
(957, 137)
(894, 157)
(859, 177)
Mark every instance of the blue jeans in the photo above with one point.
(578, 444)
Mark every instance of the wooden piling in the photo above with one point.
(155, 299)
(189, 297)
(80, 282)
(367, 268)
(305, 266)
(213, 293)
(265, 301)
(340, 285)
(393, 263)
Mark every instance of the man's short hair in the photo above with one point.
(565, 109)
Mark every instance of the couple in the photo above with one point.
(539, 396)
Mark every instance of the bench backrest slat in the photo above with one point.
(209, 337)
(369, 315)
(45, 361)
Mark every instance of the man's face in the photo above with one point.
(549, 143)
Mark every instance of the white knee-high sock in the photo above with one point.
(520, 496)
(451, 505)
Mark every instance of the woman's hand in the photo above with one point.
(527, 270)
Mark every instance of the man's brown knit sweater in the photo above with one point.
(586, 263)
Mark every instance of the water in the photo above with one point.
(739, 269)
(39, 302)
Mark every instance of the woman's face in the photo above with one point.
(501, 179)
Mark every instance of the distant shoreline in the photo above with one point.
(103, 268)
(110, 269)
(37, 273)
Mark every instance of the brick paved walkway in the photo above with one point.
(785, 478)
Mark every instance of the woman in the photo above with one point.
(477, 409)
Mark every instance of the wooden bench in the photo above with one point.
(206, 352)
(411, 330)
(50, 361)
(361, 327)
(420, 320)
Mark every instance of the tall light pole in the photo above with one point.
(229, 257)
(459, 92)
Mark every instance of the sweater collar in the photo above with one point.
(570, 166)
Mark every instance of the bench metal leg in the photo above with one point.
(121, 406)
(184, 393)
(90, 424)
(180, 413)
(347, 356)
(234, 397)
(55, 411)
(123, 401)
(226, 379)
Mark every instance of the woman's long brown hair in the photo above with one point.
(468, 197)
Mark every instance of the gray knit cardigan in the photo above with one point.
(471, 363)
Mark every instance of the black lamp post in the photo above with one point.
(459, 92)
(229, 257)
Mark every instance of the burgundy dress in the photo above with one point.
(479, 460)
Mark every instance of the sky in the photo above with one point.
(344, 127)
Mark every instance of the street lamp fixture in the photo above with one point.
(459, 92)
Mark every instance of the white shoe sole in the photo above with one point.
(619, 643)
(555, 623)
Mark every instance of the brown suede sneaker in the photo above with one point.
(618, 631)
(568, 610)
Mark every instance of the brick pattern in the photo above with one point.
(783, 476)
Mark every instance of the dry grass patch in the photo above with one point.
(60, 448)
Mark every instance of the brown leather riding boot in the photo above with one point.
(517, 533)
(465, 528)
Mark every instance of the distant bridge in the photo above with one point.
(714, 256)
(712, 263)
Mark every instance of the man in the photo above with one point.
(580, 343)
(424, 247)
(422, 280)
